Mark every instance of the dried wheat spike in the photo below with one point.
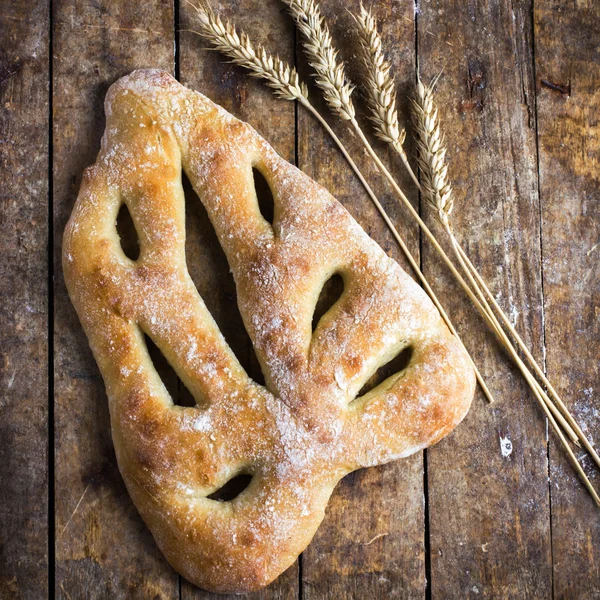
(307, 427)
(280, 76)
(323, 57)
(432, 155)
(381, 94)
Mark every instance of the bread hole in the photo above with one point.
(130, 243)
(178, 391)
(232, 489)
(393, 366)
(184, 396)
(210, 272)
(331, 292)
(264, 195)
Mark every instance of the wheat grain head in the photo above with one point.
(381, 94)
(437, 190)
(280, 76)
(330, 75)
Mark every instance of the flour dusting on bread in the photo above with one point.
(297, 435)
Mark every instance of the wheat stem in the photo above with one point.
(539, 393)
(565, 411)
(548, 407)
(572, 457)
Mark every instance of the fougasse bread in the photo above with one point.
(300, 433)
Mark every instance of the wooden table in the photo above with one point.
(520, 99)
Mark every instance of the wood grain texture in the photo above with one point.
(24, 116)
(489, 509)
(250, 100)
(568, 57)
(103, 549)
(493, 530)
(371, 542)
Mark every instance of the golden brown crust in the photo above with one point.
(302, 432)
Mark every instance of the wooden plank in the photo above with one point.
(24, 115)
(371, 543)
(249, 100)
(568, 101)
(103, 549)
(488, 501)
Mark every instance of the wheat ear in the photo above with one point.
(330, 75)
(279, 76)
(438, 194)
(435, 186)
(379, 84)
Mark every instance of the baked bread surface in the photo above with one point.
(305, 429)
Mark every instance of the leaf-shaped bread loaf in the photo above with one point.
(305, 429)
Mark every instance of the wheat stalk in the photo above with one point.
(280, 76)
(330, 75)
(381, 93)
(438, 194)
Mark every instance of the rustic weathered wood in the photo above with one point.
(371, 541)
(489, 531)
(103, 549)
(567, 38)
(24, 81)
(249, 100)
(488, 501)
